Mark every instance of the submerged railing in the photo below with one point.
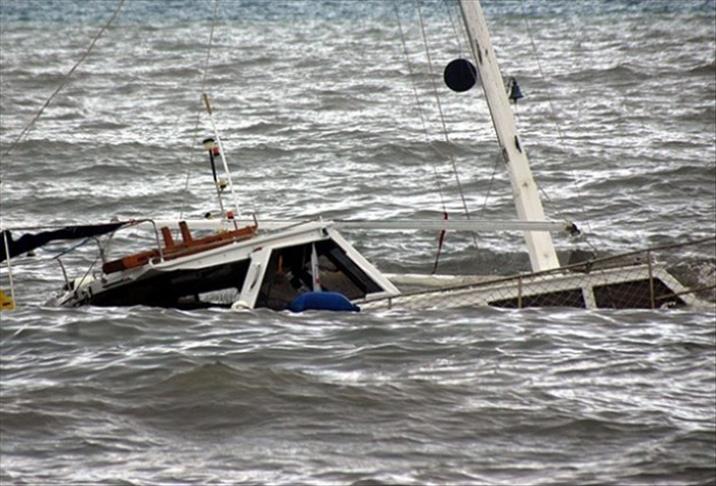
(103, 247)
(664, 276)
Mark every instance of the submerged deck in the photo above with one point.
(628, 281)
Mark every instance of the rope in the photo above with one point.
(65, 80)
(195, 140)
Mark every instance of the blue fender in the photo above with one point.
(333, 301)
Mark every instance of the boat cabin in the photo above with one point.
(243, 268)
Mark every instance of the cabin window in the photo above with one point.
(635, 295)
(185, 289)
(289, 274)
(562, 298)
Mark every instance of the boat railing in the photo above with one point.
(660, 276)
(102, 250)
(169, 249)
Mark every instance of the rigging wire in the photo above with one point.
(553, 111)
(560, 132)
(202, 84)
(498, 159)
(64, 81)
(441, 236)
(442, 117)
(460, 33)
(585, 37)
(418, 105)
(458, 37)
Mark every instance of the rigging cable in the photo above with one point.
(65, 80)
(418, 105)
(553, 111)
(441, 236)
(582, 235)
(585, 37)
(498, 159)
(442, 117)
(205, 69)
(459, 35)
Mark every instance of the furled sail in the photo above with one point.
(29, 241)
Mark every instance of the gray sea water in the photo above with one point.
(316, 107)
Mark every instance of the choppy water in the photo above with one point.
(318, 116)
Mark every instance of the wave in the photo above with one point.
(616, 72)
(706, 69)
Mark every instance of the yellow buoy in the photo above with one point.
(6, 302)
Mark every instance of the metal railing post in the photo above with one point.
(64, 274)
(519, 292)
(651, 280)
(156, 236)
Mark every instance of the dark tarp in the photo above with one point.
(30, 241)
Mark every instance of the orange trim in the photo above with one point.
(168, 240)
(130, 261)
(172, 251)
(185, 233)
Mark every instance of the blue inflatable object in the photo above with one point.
(332, 301)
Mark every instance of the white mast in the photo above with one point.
(524, 189)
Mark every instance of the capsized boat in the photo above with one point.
(251, 264)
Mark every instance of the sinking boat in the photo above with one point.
(253, 267)
(249, 264)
